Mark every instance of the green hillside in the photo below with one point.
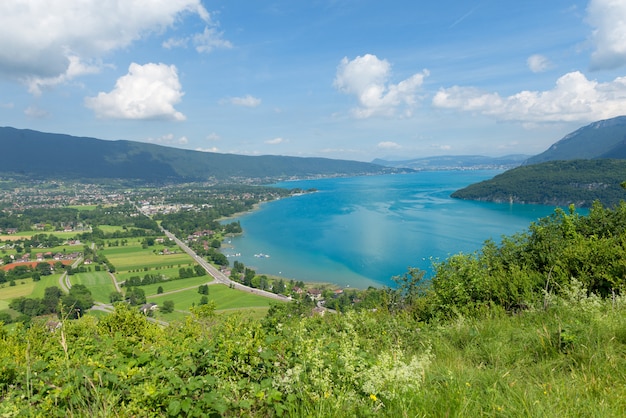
(559, 183)
(46, 155)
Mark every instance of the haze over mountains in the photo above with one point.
(47, 155)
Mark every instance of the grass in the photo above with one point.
(110, 228)
(175, 285)
(169, 272)
(98, 282)
(223, 296)
(46, 281)
(134, 257)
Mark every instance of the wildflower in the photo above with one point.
(373, 397)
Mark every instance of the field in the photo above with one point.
(176, 285)
(110, 228)
(134, 257)
(98, 282)
(22, 287)
(225, 298)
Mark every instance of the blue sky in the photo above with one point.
(349, 79)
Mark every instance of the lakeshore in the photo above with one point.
(363, 231)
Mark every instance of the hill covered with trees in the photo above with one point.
(45, 155)
(558, 183)
(586, 165)
(532, 326)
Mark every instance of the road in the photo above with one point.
(220, 277)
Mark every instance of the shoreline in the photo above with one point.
(308, 284)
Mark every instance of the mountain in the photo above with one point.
(40, 154)
(586, 165)
(602, 139)
(456, 162)
(557, 183)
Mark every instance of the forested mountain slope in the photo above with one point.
(41, 154)
(560, 183)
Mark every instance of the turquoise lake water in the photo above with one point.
(362, 231)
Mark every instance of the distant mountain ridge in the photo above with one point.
(602, 139)
(40, 154)
(457, 162)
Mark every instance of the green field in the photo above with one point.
(98, 282)
(85, 208)
(174, 285)
(134, 257)
(223, 296)
(110, 228)
(46, 281)
(168, 272)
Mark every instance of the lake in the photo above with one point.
(362, 231)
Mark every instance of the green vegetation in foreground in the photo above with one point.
(567, 360)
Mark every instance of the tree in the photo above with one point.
(115, 297)
(203, 289)
(136, 296)
(77, 302)
(51, 298)
(159, 290)
(204, 300)
(168, 306)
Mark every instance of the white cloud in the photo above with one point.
(246, 101)
(367, 78)
(538, 63)
(43, 46)
(574, 98)
(148, 91)
(214, 149)
(36, 112)
(388, 145)
(169, 139)
(209, 40)
(206, 41)
(275, 141)
(213, 137)
(608, 17)
(8, 105)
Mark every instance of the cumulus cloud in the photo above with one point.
(275, 141)
(367, 78)
(148, 91)
(608, 18)
(246, 101)
(388, 145)
(44, 46)
(169, 139)
(538, 63)
(574, 98)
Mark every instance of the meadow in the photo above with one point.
(226, 300)
(134, 257)
(98, 282)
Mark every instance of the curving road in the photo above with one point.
(220, 277)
